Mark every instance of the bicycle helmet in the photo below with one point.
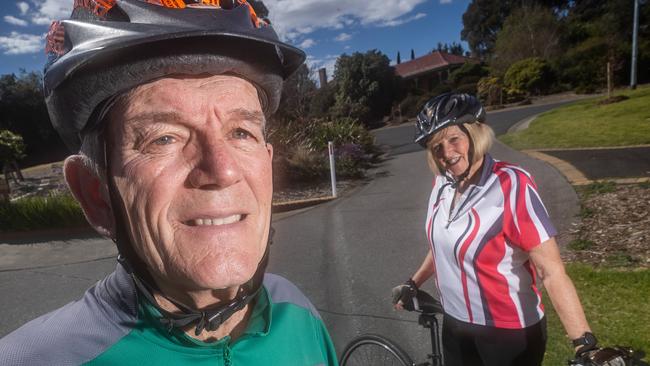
(108, 47)
(446, 110)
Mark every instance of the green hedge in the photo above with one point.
(34, 213)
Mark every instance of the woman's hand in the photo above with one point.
(404, 293)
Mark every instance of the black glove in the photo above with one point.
(608, 356)
(405, 293)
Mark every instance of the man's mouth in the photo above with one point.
(216, 221)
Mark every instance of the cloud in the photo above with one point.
(445, 1)
(292, 18)
(15, 21)
(23, 6)
(396, 22)
(18, 43)
(343, 37)
(49, 10)
(307, 43)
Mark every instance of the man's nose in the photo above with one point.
(217, 166)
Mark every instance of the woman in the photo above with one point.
(490, 237)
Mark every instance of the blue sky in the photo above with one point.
(325, 29)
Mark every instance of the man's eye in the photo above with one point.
(164, 140)
(241, 134)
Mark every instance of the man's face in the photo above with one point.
(194, 172)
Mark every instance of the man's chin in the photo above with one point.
(220, 277)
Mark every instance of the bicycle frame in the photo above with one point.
(431, 322)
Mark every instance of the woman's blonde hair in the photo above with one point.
(481, 137)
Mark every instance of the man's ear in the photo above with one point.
(91, 193)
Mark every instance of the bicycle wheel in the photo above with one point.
(374, 350)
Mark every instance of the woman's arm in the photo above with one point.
(559, 286)
(425, 271)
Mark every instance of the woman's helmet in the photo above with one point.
(108, 47)
(446, 110)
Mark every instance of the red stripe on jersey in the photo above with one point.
(461, 258)
(494, 285)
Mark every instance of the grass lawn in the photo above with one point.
(34, 213)
(588, 124)
(617, 304)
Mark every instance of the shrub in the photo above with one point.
(11, 146)
(468, 73)
(489, 90)
(410, 106)
(301, 149)
(340, 131)
(529, 76)
(33, 213)
(467, 88)
(413, 103)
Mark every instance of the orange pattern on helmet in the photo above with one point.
(180, 4)
(55, 40)
(98, 7)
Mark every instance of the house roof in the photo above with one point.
(435, 60)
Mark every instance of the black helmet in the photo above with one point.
(446, 110)
(110, 46)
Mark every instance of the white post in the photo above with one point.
(330, 149)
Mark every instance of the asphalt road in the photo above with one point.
(345, 255)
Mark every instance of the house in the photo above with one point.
(430, 70)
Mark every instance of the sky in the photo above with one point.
(324, 29)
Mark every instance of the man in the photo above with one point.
(166, 102)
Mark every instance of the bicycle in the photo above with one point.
(377, 350)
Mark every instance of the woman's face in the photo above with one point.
(450, 149)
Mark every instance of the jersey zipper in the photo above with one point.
(227, 361)
(453, 214)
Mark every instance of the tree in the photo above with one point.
(399, 59)
(297, 92)
(483, 20)
(530, 31)
(365, 85)
(23, 111)
(453, 48)
(598, 32)
(412, 54)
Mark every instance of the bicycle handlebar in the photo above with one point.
(423, 302)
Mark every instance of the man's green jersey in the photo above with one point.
(113, 325)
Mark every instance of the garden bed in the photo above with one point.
(615, 226)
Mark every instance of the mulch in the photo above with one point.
(615, 228)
